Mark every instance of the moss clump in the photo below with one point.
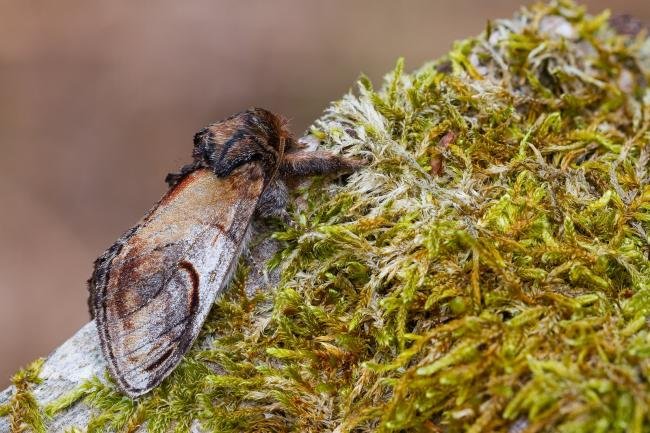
(487, 272)
(23, 409)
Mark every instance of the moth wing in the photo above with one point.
(151, 291)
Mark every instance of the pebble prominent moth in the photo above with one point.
(151, 291)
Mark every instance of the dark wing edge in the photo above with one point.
(97, 293)
(102, 268)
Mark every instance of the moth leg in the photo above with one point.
(247, 252)
(305, 163)
(173, 178)
(273, 202)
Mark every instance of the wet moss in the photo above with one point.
(488, 271)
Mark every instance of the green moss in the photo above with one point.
(489, 269)
(23, 409)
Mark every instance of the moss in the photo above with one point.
(488, 271)
(23, 409)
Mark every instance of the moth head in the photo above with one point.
(252, 135)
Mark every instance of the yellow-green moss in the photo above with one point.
(488, 271)
(23, 410)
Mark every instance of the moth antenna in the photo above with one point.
(280, 159)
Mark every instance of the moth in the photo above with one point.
(151, 291)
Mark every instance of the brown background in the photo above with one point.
(99, 100)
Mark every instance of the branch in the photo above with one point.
(488, 271)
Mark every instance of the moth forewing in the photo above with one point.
(152, 290)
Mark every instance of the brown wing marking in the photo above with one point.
(193, 295)
(152, 290)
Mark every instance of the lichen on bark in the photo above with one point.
(488, 271)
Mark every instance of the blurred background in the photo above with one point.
(100, 100)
